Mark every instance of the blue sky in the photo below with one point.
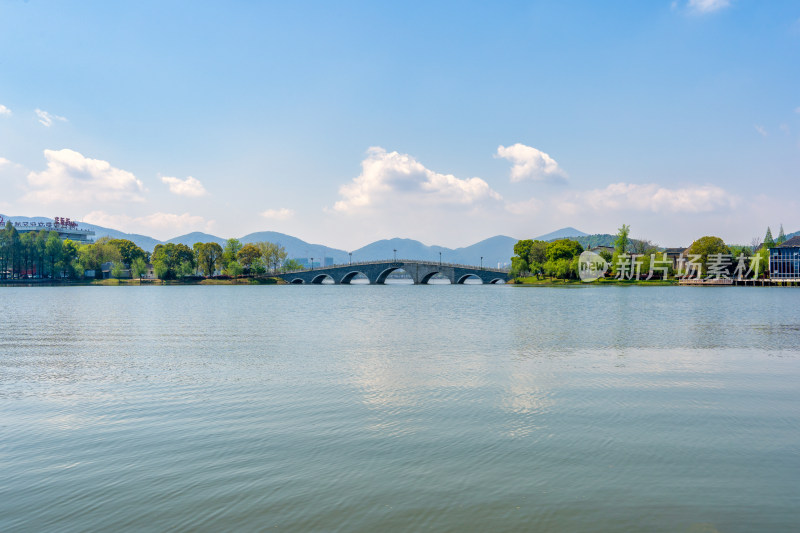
(345, 123)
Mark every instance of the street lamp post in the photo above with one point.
(351, 258)
(481, 262)
(312, 263)
(440, 258)
(395, 255)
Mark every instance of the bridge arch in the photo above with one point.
(497, 281)
(297, 281)
(430, 275)
(347, 278)
(381, 279)
(320, 279)
(466, 277)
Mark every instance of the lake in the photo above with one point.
(399, 408)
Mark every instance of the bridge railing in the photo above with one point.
(383, 261)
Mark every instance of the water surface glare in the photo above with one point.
(402, 408)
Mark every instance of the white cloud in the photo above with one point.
(188, 187)
(4, 110)
(46, 119)
(278, 214)
(162, 225)
(652, 197)
(391, 179)
(708, 6)
(71, 177)
(530, 163)
(760, 129)
(4, 161)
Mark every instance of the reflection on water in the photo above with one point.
(399, 408)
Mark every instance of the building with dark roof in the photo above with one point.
(784, 260)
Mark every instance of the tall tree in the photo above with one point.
(247, 255)
(769, 242)
(69, 256)
(521, 258)
(170, 260)
(781, 236)
(53, 251)
(623, 241)
(232, 247)
(209, 256)
(138, 268)
(273, 254)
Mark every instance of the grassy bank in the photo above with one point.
(194, 281)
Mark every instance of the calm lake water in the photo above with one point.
(399, 408)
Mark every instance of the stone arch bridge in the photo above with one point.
(377, 272)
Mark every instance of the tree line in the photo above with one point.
(559, 258)
(42, 254)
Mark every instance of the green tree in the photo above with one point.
(248, 254)
(186, 268)
(562, 259)
(68, 264)
(563, 249)
(257, 267)
(519, 262)
(209, 256)
(291, 265)
(138, 268)
(706, 246)
(92, 256)
(117, 269)
(538, 252)
(759, 263)
(27, 243)
(234, 269)
(53, 251)
(9, 250)
(232, 247)
(623, 241)
(128, 250)
(769, 242)
(160, 269)
(781, 236)
(274, 254)
(169, 258)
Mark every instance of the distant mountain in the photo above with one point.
(142, 241)
(562, 233)
(494, 251)
(191, 238)
(298, 248)
(406, 249)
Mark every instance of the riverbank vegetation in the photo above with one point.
(640, 261)
(42, 255)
